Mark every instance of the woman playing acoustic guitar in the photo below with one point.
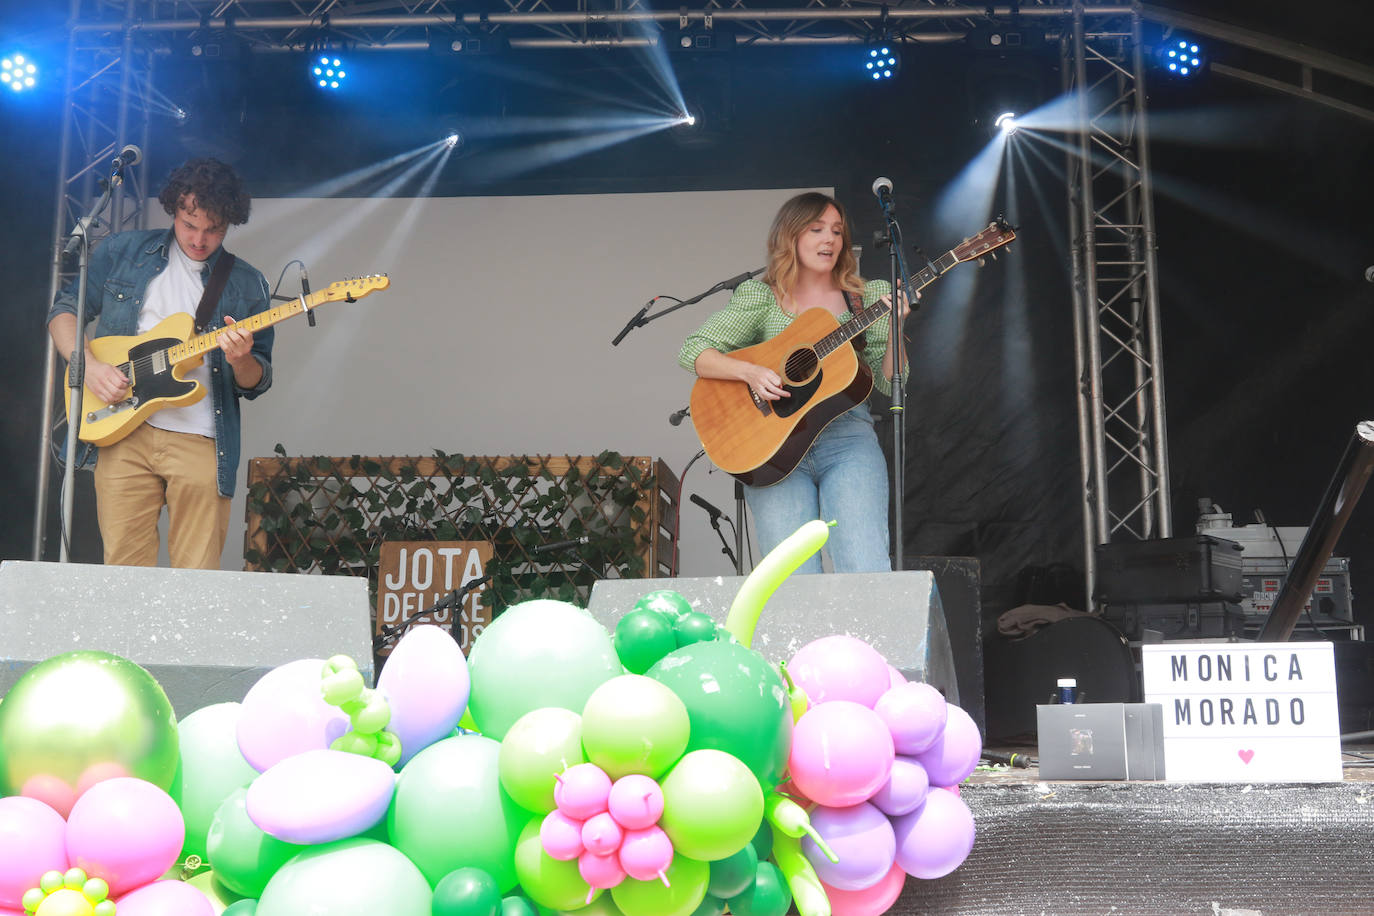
(770, 407)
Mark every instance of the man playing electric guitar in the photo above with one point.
(184, 457)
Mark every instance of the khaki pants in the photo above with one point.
(151, 467)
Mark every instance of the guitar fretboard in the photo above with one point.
(200, 344)
(865, 318)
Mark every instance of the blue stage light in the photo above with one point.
(1181, 57)
(327, 70)
(18, 73)
(881, 61)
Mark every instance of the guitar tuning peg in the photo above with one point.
(983, 261)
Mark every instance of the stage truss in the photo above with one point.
(114, 48)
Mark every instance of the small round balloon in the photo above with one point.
(244, 857)
(641, 638)
(861, 836)
(634, 724)
(549, 882)
(712, 805)
(694, 627)
(915, 713)
(646, 854)
(936, 838)
(538, 747)
(561, 836)
(873, 900)
(666, 602)
(954, 754)
(537, 653)
(467, 892)
(126, 831)
(33, 840)
(81, 717)
(636, 801)
(905, 789)
(841, 753)
(582, 791)
(732, 875)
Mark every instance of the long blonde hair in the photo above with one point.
(792, 219)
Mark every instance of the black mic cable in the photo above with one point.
(1011, 760)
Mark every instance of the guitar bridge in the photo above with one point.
(110, 410)
(763, 406)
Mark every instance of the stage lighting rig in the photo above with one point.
(882, 60)
(18, 73)
(1181, 57)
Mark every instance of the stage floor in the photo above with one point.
(1160, 848)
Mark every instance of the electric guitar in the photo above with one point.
(759, 441)
(158, 360)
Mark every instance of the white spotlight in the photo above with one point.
(452, 140)
(1006, 121)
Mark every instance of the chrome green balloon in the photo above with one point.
(642, 637)
(80, 718)
(736, 703)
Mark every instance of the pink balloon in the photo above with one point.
(33, 840)
(284, 714)
(600, 871)
(840, 668)
(645, 854)
(636, 801)
(426, 683)
(954, 754)
(896, 677)
(841, 753)
(915, 714)
(936, 838)
(861, 836)
(125, 830)
(165, 898)
(601, 835)
(582, 791)
(561, 836)
(871, 901)
(905, 790)
(320, 796)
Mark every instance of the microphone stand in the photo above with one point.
(642, 317)
(897, 269)
(453, 600)
(79, 243)
(739, 527)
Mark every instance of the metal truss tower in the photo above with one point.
(1123, 444)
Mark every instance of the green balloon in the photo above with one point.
(767, 896)
(641, 638)
(712, 805)
(211, 767)
(736, 702)
(516, 905)
(603, 905)
(694, 627)
(763, 841)
(535, 654)
(219, 896)
(244, 857)
(450, 811)
(541, 744)
(79, 718)
(732, 874)
(634, 724)
(687, 880)
(549, 882)
(467, 892)
(710, 906)
(352, 877)
(245, 907)
(665, 601)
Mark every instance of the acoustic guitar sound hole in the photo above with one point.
(800, 366)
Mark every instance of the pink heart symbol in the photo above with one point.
(1246, 756)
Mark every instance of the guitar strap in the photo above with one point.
(214, 288)
(856, 305)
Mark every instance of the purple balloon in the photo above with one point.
(915, 714)
(953, 756)
(165, 898)
(285, 713)
(425, 681)
(320, 796)
(861, 836)
(906, 788)
(936, 838)
(840, 668)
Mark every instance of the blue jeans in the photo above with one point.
(841, 478)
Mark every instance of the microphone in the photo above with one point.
(1369, 274)
(129, 155)
(560, 545)
(305, 292)
(882, 188)
(710, 509)
(1011, 760)
(677, 415)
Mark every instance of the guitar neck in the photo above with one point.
(865, 318)
(200, 344)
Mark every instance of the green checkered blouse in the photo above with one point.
(753, 316)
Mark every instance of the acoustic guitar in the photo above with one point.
(158, 360)
(760, 442)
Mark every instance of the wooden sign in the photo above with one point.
(415, 575)
(1246, 712)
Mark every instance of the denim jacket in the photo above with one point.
(120, 270)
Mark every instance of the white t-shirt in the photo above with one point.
(178, 289)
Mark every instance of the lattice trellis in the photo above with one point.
(331, 515)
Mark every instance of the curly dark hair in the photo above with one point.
(216, 188)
